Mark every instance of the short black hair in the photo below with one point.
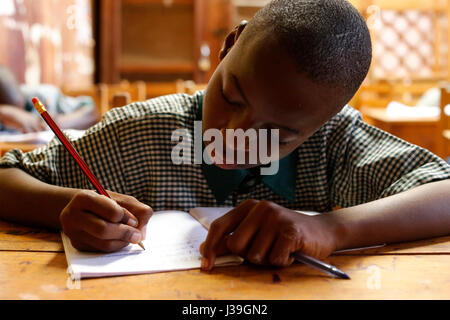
(328, 39)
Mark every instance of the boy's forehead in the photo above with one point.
(270, 77)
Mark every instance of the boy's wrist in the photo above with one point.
(61, 197)
(338, 229)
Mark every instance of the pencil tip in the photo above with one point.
(345, 276)
(141, 245)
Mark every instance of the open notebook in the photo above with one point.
(173, 241)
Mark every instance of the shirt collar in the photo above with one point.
(223, 182)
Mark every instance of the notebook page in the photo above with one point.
(173, 241)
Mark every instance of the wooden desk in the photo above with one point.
(33, 266)
(423, 132)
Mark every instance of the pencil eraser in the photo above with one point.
(35, 100)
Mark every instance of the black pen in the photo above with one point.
(320, 265)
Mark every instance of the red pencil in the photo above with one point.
(43, 112)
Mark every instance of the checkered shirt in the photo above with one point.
(345, 163)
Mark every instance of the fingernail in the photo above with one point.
(136, 237)
(205, 264)
(201, 248)
(133, 223)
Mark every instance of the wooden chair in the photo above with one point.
(136, 89)
(120, 99)
(118, 95)
(444, 122)
(191, 87)
(157, 89)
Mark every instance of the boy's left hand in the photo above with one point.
(266, 233)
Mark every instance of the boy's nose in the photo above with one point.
(238, 144)
(242, 120)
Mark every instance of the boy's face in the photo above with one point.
(256, 85)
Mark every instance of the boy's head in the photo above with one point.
(292, 68)
(10, 93)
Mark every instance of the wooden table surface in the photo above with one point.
(33, 266)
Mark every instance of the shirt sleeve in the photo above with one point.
(67, 104)
(100, 148)
(366, 163)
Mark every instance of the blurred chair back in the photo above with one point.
(157, 89)
(120, 99)
(123, 93)
(191, 87)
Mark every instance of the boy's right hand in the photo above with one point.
(94, 222)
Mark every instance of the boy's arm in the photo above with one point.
(45, 187)
(410, 183)
(28, 200)
(419, 213)
(386, 186)
(264, 232)
(91, 221)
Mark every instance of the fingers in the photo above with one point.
(105, 230)
(261, 231)
(103, 207)
(96, 222)
(241, 239)
(261, 246)
(281, 251)
(222, 248)
(86, 242)
(221, 228)
(136, 209)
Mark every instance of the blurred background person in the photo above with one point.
(17, 113)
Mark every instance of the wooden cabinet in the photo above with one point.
(160, 40)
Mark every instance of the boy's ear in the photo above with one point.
(231, 39)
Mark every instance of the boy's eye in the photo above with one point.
(233, 103)
(284, 143)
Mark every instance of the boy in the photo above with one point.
(293, 67)
(17, 113)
